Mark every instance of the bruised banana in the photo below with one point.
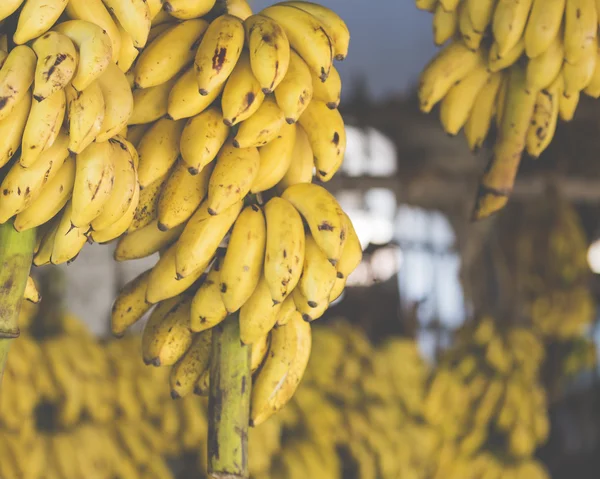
(208, 309)
(258, 315)
(56, 64)
(12, 129)
(16, 76)
(130, 305)
(86, 111)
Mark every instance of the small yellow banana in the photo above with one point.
(8, 7)
(577, 76)
(118, 102)
(147, 209)
(122, 224)
(262, 127)
(545, 117)
(186, 372)
(593, 89)
(469, 34)
(481, 13)
(543, 26)
(44, 252)
(16, 76)
(130, 305)
(69, 239)
(296, 90)
(208, 309)
(186, 9)
(37, 17)
(145, 241)
(302, 163)
(318, 274)
(259, 314)
(150, 104)
(581, 28)
(567, 106)
(287, 310)
(510, 19)
(330, 90)
(482, 113)
(275, 159)
(543, 69)
(445, 24)
(56, 64)
(184, 99)
(135, 17)
(85, 115)
(12, 128)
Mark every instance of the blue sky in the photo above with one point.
(391, 41)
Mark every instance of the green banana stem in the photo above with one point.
(16, 255)
(229, 403)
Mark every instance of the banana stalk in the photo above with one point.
(16, 256)
(229, 403)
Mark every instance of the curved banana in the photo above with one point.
(158, 150)
(543, 26)
(469, 34)
(16, 76)
(296, 90)
(134, 15)
(128, 53)
(259, 314)
(224, 36)
(151, 104)
(349, 260)
(94, 181)
(306, 35)
(496, 62)
(593, 89)
(202, 386)
(8, 7)
(95, 50)
(508, 25)
(259, 352)
(130, 305)
(12, 128)
(287, 311)
(122, 224)
(269, 51)
(37, 17)
(56, 64)
(44, 253)
(275, 159)
(118, 102)
(480, 118)
(242, 94)
(329, 91)
(147, 209)
(242, 266)
(445, 24)
(567, 106)
(543, 69)
(69, 239)
(544, 121)
(145, 241)
(85, 112)
(232, 177)
(201, 238)
(169, 53)
(318, 274)
(284, 254)
(262, 127)
(577, 76)
(181, 195)
(302, 163)
(481, 13)
(202, 138)
(186, 9)
(136, 132)
(237, 8)
(208, 309)
(186, 372)
(184, 99)
(309, 311)
(581, 28)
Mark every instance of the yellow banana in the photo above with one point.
(224, 36)
(262, 127)
(469, 34)
(567, 106)
(122, 224)
(578, 75)
(150, 104)
(275, 159)
(543, 69)
(69, 239)
(543, 26)
(318, 274)
(351, 253)
(481, 13)
(130, 305)
(184, 99)
(94, 181)
(208, 309)
(284, 254)
(31, 291)
(329, 91)
(482, 113)
(302, 163)
(118, 102)
(237, 8)
(323, 214)
(158, 150)
(85, 115)
(286, 312)
(428, 5)
(145, 241)
(12, 128)
(234, 173)
(545, 117)
(169, 53)
(56, 64)
(186, 372)
(309, 312)
(581, 28)
(8, 7)
(44, 252)
(181, 195)
(136, 132)
(147, 209)
(497, 62)
(242, 266)
(186, 9)
(37, 17)
(259, 352)
(16, 76)
(95, 50)
(508, 25)
(259, 314)
(296, 90)
(51, 199)
(450, 4)
(202, 138)
(202, 386)
(201, 238)
(269, 51)
(242, 94)
(154, 7)
(128, 53)
(593, 89)
(134, 15)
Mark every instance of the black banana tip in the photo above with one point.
(203, 91)
(251, 422)
(193, 171)
(38, 98)
(267, 91)
(306, 318)
(339, 275)
(228, 122)
(340, 57)
(290, 121)
(167, 7)
(175, 395)
(332, 105)
(235, 143)
(179, 276)
(118, 335)
(212, 212)
(156, 362)
(162, 227)
(312, 304)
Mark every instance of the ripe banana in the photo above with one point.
(567, 106)
(543, 69)
(296, 90)
(242, 94)
(243, 262)
(262, 127)
(150, 104)
(269, 51)
(286, 312)
(510, 19)
(12, 128)
(147, 209)
(329, 91)
(578, 75)
(120, 226)
(208, 309)
(186, 9)
(237, 8)
(202, 386)
(16, 76)
(44, 253)
(543, 26)
(545, 117)
(130, 305)
(302, 164)
(275, 159)
(8, 7)
(309, 312)
(186, 372)
(118, 102)
(284, 254)
(469, 34)
(145, 241)
(37, 17)
(85, 113)
(184, 99)
(69, 238)
(134, 15)
(482, 113)
(581, 28)
(202, 138)
(258, 315)
(218, 52)
(56, 64)
(318, 274)
(136, 132)
(593, 89)
(481, 13)
(234, 173)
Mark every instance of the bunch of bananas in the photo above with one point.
(522, 62)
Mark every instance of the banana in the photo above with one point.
(12, 128)
(56, 64)
(136, 132)
(23, 185)
(306, 35)
(581, 28)
(286, 312)
(469, 34)
(95, 50)
(237, 8)
(302, 163)
(501, 100)
(44, 252)
(329, 91)
(52, 198)
(567, 106)
(202, 138)
(351, 252)
(285, 243)
(123, 191)
(158, 150)
(545, 117)
(122, 224)
(497, 62)
(543, 69)
(273, 374)
(208, 309)
(69, 239)
(296, 90)
(8, 7)
(164, 283)
(202, 386)
(94, 181)
(150, 104)
(323, 214)
(232, 177)
(134, 15)
(242, 94)
(258, 315)
(94, 11)
(147, 209)
(578, 75)
(218, 52)
(37, 17)
(167, 335)
(262, 127)
(130, 305)
(184, 99)
(259, 352)
(318, 274)
(181, 195)
(327, 135)
(593, 89)
(508, 25)
(31, 291)
(269, 51)
(243, 262)
(275, 159)
(481, 13)
(118, 102)
(145, 241)
(16, 76)
(458, 103)
(201, 238)
(543, 26)
(169, 53)
(186, 372)
(445, 25)
(482, 113)
(85, 113)
(186, 9)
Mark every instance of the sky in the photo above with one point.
(390, 43)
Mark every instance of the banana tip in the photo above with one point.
(156, 362)
(312, 304)
(332, 105)
(193, 171)
(203, 91)
(306, 318)
(340, 57)
(228, 122)
(290, 121)
(38, 98)
(267, 91)
(175, 395)
(235, 143)
(162, 227)
(167, 7)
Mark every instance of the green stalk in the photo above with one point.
(229, 403)
(16, 254)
